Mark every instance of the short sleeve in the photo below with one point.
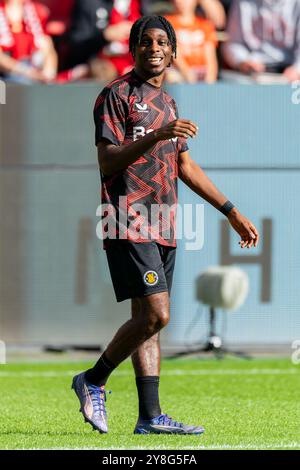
(183, 146)
(110, 117)
(182, 142)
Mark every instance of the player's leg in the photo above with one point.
(136, 331)
(146, 364)
(146, 358)
(89, 386)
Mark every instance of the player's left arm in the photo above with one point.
(195, 178)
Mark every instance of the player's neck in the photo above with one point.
(156, 81)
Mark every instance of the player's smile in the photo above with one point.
(154, 53)
(154, 60)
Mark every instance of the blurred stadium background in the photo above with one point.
(55, 287)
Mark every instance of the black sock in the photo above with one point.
(148, 396)
(99, 374)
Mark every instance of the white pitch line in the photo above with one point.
(276, 445)
(174, 372)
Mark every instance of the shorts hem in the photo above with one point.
(144, 294)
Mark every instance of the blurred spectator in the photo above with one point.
(99, 35)
(26, 51)
(214, 11)
(264, 36)
(196, 52)
(59, 16)
(226, 5)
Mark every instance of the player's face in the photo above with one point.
(154, 53)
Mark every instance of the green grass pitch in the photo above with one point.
(242, 405)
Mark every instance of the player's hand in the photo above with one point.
(245, 228)
(179, 128)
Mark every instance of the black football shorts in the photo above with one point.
(140, 269)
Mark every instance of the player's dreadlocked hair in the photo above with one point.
(139, 27)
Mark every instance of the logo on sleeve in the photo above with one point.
(151, 278)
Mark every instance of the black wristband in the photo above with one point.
(226, 208)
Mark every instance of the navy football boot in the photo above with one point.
(163, 424)
(92, 402)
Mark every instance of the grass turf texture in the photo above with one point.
(242, 405)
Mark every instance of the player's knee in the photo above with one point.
(164, 318)
(157, 320)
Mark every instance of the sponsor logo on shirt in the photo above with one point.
(140, 131)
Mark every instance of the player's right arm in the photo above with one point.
(110, 120)
(113, 158)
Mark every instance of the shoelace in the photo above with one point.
(99, 397)
(168, 421)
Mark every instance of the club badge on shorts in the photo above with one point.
(151, 278)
